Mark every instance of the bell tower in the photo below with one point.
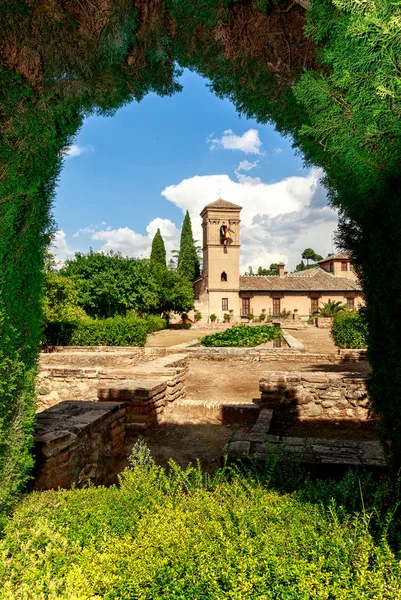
(221, 257)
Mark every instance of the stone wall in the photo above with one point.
(145, 399)
(78, 376)
(78, 441)
(324, 322)
(317, 394)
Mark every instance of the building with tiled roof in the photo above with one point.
(221, 289)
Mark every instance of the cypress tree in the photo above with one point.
(158, 252)
(188, 260)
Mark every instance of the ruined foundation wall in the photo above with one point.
(317, 394)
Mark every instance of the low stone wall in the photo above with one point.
(59, 382)
(256, 355)
(324, 322)
(145, 400)
(353, 354)
(317, 394)
(78, 441)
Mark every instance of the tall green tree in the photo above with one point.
(188, 259)
(111, 284)
(158, 252)
(309, 254)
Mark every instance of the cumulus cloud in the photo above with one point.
(60, 248)
(130, 243)
(278, 220)
(74, 150)
(249, 142)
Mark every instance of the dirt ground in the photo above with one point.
(189, 442)
(173, 337)
(315, 340)
(232, 382)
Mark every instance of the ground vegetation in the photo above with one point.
(241, 335)
(269, 532)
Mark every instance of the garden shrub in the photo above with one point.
(185, 534)
(115, 331)
(240, 335)
(349, 330)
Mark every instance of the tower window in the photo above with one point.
(224, 276)
(224, 304)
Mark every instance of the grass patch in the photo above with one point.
(241, 335)
(185, 534)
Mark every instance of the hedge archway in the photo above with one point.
(328, 73)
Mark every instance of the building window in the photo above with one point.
(224, 304)
(276, 306)
(224, 276)
(314, 305)
(331, 267)
(344, 266)
(246, 306)
(351, 303)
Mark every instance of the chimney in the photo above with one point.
(281, 269)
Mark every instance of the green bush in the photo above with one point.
(116, 331)
(349, 330)
(239, 335)
(187, 535)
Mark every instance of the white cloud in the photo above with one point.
(249, 142)
(278, 220)
(74, 150)
(90, 229)
(278, 150)
(60, 248)
(245, 165)
(130, 243)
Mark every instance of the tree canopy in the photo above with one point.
(158, 252)
(188, 259)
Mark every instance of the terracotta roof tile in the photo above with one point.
(314, 280)
(220, 203)
(338, 256)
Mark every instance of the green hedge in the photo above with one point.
(189, 535)
(241, 335)
(116, 331)
(349, 330)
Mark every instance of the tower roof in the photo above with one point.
(220, 203)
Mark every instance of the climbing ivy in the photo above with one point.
(330, 77)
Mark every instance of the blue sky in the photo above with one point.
(126, 175)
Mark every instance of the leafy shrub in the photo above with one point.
(249, 316)
(262, 317)
(198, 316)
(285, 314)
(349, 330)
(186, 534)
(116, 331)
(226, 316)
(242, 336)
(213, 317)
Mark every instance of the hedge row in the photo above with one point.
(349, 330)
(115, 331)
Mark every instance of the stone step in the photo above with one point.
(212, 411)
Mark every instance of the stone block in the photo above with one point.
(313, 410)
